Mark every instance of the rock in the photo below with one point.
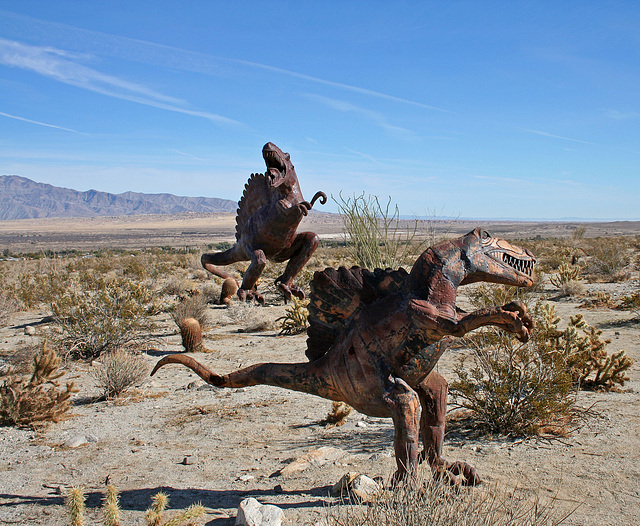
(91, 438)
(246, 478)
(316, 458)
(29, 330)
(359, 487)
(341, 487)
(252, 513)
(365, 489)
(76, 441)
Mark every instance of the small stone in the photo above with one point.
(365, 488)
(187, 461)
(316, 458)
(30, 330)
(91, 438)
(76, 441)
(252, 513)
(342, 486)
(246, 478)
(361, 424)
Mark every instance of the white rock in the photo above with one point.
(29, 330)
(364, 488)
(361, 424)
(252, 513)
(317, 457)
(76, 441)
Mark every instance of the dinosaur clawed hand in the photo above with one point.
(248, 295)
(290, 290)
(456, 473)
(519, 321)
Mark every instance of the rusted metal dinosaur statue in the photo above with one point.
(375, 337)
(268, 216)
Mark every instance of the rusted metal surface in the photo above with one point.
(267, 220)
(375, 337)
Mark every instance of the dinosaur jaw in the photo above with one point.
(276, 161)
(516, 268)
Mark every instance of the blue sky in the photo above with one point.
(479, 109)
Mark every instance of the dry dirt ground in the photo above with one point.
(218, 446)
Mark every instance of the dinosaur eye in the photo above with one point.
(485, 236)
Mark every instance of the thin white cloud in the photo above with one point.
(187, 155)
(56, 64)
(621, 115)
(553, 136)
(372, 116)
(37, 122)
(168, 56)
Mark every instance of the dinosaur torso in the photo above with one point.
(268, 215)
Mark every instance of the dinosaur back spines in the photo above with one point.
(338, 294)
(256, 194)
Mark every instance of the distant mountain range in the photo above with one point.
(22, 198)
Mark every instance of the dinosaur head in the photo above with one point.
(280, 171)
(495, 260)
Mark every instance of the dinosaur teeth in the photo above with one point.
(521, 265)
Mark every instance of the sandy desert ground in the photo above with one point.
(217, 446)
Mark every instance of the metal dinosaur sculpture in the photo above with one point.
(268, 216)
(375, 337)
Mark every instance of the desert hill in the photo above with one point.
(22, 198)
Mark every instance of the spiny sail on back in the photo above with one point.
(337, 295)
(256, 194)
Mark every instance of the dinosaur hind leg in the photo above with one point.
(433, 392)
(404, 405)
(210, 261)
(301, 250)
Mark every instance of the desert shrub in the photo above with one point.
(191, 307)
(119, 371)
(437, 504)
(374, 232)
(98, 315)
(210, 291)
(608, 258)
(176, 286)
(248, 315)
(8, 307)
(512, 388)
(295, 319)
(631, 302)
(30, 401)
(154, 516)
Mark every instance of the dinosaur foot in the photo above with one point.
(245, 295)
(456, 474)
(290, 290)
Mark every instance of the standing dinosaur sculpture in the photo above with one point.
(268, 216)
(375, 337)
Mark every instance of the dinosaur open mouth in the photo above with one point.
(521, 265)
(272, 160)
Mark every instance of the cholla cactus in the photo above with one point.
(295, 319)
(111, 507)
(191, 332)
(565, 274)
(28, 402)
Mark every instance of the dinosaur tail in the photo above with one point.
(304, 377)
(319, 195)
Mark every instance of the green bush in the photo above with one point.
(375, 234)
(98, 315)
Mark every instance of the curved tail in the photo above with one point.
(319, 195)
(203, 372)
(304, 377)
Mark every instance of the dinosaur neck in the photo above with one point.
(435, 277)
